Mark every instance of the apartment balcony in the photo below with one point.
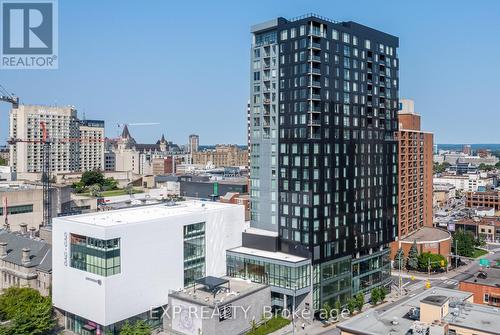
(314, 110)
(314, 123)
(267, 101)
(316, 97)
(314, 83)
(315, 32)
(314, 71)
(314, 58)
(314, 45)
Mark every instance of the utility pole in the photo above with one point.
(400, 278)
(456, 254)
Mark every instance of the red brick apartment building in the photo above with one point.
(415, 184)
(485, 286)
(490, 199)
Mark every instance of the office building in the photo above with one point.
(23, 204)
(221, 156)
(25, 261)
(484, 285)
(415, 172)
(324, 102)
(113, 266)
(77, 145)
(466, 182)
(489, 199)
(217, 307)
(194, 143)
(433, 311)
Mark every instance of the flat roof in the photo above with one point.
(428, 234)
(280, 256)
(492, 279)
(234, 289)
(380, 321)
(146, 213)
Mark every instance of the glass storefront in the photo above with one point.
(100, 257)
(82, 326)
(263, 271)
(194, 252)
(332, 282)
(371, 271)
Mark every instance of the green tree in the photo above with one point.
(129, 189)
(412, 262)
(92, 177)
(95, 190)
(351, 305)
(382, 293)
(360, 301)
(399, 259)
(375, 296)
(3, 161)
(110, 184)
(327, 310)
(28, 311)
(338, 305)
(440, 168)
(484, 167)
(436, 261)
(138, 328)
(464, 242)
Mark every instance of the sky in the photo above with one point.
(185, 64)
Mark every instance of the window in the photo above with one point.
(194, 252)
(100, 257)
(368, 44)
(21, 209)
(346, 38)
(335, 34)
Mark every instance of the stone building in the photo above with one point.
(25, 261)
(221, 156)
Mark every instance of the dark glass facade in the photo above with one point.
(194, 252)
(334, 159)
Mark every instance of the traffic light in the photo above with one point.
(427, 283)
(442, 263)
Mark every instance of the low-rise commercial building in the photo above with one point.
(487, 227)
(440, 311)
(490, 199)
(113, 266)
(217, 306)
(23, 203)
(467, 182)
(484, 285)
(442, 194)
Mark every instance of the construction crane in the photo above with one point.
(46, 142)
(5, 96)
(46, 171)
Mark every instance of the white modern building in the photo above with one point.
(470, 182)
(113, 266)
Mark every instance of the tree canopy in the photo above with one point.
(138, 328)
(28, 311)
(464, 241)
(435, 261)
(94, 177)
(412, 262)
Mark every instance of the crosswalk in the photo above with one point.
(450, 282)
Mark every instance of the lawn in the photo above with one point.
(271, 326)
(478, 253)
(110, 193)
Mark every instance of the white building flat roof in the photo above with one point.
(281, 256)
(146, 213)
